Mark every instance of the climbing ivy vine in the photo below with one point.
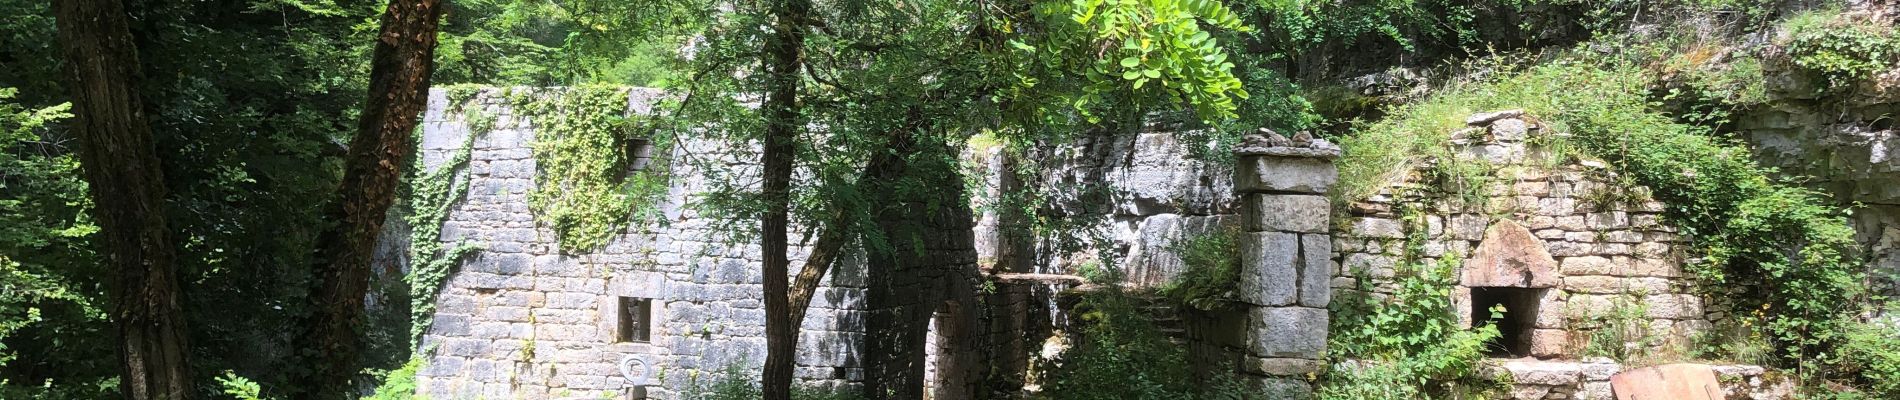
(432, 193)
(586, 184)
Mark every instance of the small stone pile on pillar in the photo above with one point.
(1286, 257)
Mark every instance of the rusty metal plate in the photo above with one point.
(1667, 382)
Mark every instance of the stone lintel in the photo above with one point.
(1510, 256)
(1328, 152)
(1297, 175)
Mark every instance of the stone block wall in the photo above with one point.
(523, 320)
(1569, 233)
(1849, 150)
(1590, 379)
(1275, 334)
(1129, 194)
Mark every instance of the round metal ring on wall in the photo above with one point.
(632, 363)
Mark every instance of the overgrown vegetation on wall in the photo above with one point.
(1121, 354)
(1210, 270)
(1844, 49)
(584, 149)
(432, 192)
(1409, 344)
(1760, 242)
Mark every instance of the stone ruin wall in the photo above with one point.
(522, 320)
(1129, 194)
(519, 292)
(1586, 252)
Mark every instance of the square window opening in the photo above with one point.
(636, 320)
(1514, 326)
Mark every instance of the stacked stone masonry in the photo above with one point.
(1585, 246)
(1285, 262)
(1590, 379)
(523, 320)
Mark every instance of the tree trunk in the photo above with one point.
(398, 92)
(127, 186)
(784, 50)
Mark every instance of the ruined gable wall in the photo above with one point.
(522, 320)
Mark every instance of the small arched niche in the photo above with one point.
(1509, 273)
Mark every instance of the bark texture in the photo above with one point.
(784, 53)
(398, 93)
(127, 186)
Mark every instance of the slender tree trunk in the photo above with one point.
(783, 52)
(127, 185)
(398, 92)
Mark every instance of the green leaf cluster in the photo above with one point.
(1135, 42)
(585, 189)
(1210, 270)
(1410, 343)
(1843, 48)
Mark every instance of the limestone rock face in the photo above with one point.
(1510, 256)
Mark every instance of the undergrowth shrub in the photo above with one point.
(239, 387)
(1735, 339)
(736, 383)
(398, 384)
(1871, 350)
(1210, 270)
(1761, 242)
(1843, 48)
(1409, 344)
(1121, 354)
(1621, 333)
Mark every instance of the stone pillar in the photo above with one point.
(1286, 257)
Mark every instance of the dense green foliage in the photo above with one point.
(24, 290)
(584, 151)
(1408, 344)
(250, 102)
(1210, 270)
(246, 111)
(1119, 354)
(1844, 49)
(399, 384)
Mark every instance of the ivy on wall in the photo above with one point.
(586, 184)
(432, 193)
